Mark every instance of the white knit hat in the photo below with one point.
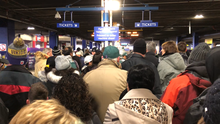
(62, 63)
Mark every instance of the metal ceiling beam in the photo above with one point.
(102, 8)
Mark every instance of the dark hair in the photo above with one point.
(38, 91)
(182, 46)
(68, 51)
(141, 76)
(60, 72)
(78, 49)
(97, 58)
(72, 92)
(170, 47)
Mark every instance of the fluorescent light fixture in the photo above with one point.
(31, 28)
(128, 32)
(134, 32)
(199, 17)
(112, 5)
(118, 24)
(134, 35)
(92, 35)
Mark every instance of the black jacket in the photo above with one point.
(136, 59)
(185, 58)
(15, 84)
(77, 59)
(152, 58)
(3, 113)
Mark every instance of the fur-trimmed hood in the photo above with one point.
(40, 55)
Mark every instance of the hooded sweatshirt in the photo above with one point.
(40, 62)
(187, 86)
(169, 67)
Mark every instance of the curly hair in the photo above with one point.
(72, 92)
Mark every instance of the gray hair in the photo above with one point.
(151, 46)
(46, 50)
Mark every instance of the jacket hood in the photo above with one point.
(213, 64)
(52, 77)
(109, 62)
(39, 55)
(175, 60)
(199, 68)
(198, 82)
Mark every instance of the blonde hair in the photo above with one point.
(44, 112)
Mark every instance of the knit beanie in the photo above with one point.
(17, 52)
(199, 53)
(212, 104)
(62, 63)
(56, 51)
(111, 52)
(140, 46)
(51, 62)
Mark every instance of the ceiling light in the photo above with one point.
(199, 17)
(128, 32)
(112, 5)
(118, 24)
(134, 35)
(31, 28)
(57, 15)
(134, 32)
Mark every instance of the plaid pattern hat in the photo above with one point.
(17, 52)
(56, 51)
(111, 52)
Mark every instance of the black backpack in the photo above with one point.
(195, 111)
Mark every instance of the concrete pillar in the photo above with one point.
(73, 42)
(53, 39)
(160, 43)
(178, 39)
(90, 44)
(195, 40)
(84, 45)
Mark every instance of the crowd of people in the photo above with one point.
(111, 87)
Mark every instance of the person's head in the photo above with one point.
(199, 53)
(72, 92)
(68, 51)
(56, 51)
(111, 52)
(38, 91)
(212, 104)
(124, 55)
(51, 62)
(151, 47)
(94, 51)
(213, 64)
(17, 52)
(44, 112)
(78, 49)
(182, 47)
(169, 47)
(78, 54)
(140, 46)
(88, 60)
(141, 76)
(97, 58)
(47, 51)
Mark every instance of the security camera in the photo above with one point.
(57, 16)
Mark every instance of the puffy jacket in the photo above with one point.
(185, 58)
(181, 91)
(169, 67)
(106, 84)
(40, 62)
(139, 106)
(137, 59)
(15, 84)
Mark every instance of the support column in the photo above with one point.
(7, 33)
(53, 39)
(96, 45)
(178, 39)
(90, 44)
(195, 40)
(160, 43)
(73, 42)
(84, 44)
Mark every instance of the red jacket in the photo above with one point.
(180, 93)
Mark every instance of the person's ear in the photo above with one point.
(27, 101)
(127, 87)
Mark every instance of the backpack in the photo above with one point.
(195, 111)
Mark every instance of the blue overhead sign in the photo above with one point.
(67, 24)
(106, 33)
(146, 23)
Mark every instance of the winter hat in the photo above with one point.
(199, 53)
(56, 51)
(62, 63)
(111, 52)
(17, 52)
(94, 49)
(88, 59)
(140, 46)
(51, 62)
(212, 104)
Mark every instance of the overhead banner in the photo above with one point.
(106, 33)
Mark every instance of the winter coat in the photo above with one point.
(150, 56)
(40, 62)
(137, 59)
(106, 84)
(184, 88)
(169, 67)
(15, 84)
(185, 58)
(139, 106)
